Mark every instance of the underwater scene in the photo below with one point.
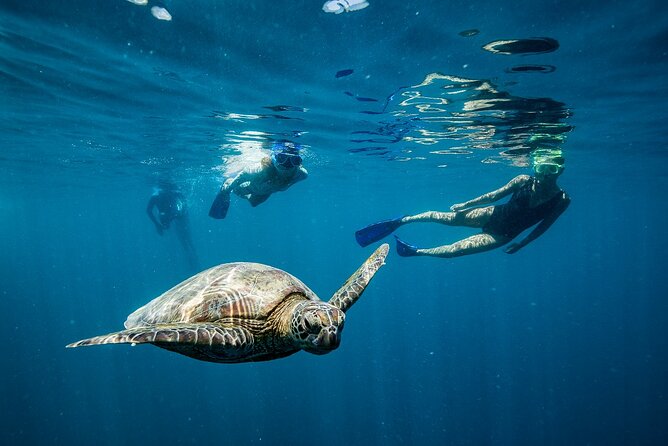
(194, 194)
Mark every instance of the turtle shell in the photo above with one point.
(232, 290)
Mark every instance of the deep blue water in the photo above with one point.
(563, 343)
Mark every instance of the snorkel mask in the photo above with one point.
(548, 161)
(548, 169)
(285, 155)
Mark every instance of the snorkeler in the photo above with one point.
(169, 203)
(171, 208)
(274, 173)
(535, 200)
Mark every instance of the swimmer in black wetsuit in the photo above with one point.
(170, 205)
(171, 208)
(535, 200)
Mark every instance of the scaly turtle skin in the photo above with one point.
(239, 312)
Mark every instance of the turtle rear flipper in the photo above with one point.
(200, 335)
(348, 294)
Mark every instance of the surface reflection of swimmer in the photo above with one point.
(274, 172)
(536, 200)
(171, 207)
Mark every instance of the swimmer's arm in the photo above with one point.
(152, 203)
(542, 226)
(491, 197)
(149, 209)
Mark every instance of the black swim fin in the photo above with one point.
(220, 205)
(404, 249)
(377, 231)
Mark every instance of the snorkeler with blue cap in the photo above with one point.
(275, 172)
(535, 200)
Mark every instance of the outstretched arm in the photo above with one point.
(491, 197)
(152, 202)
(542, 226)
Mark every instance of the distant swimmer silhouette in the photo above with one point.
(536, 200)
(171, 207)
(274, 173)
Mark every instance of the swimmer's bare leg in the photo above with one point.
(473, 218)
(470, 245)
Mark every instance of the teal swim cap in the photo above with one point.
(548, 156)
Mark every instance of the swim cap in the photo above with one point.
(548, 156)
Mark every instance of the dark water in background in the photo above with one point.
(562, 343)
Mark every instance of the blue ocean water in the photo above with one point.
(400, 109)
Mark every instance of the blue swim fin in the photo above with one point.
(220, 205)
(404, 249)
(377, 231)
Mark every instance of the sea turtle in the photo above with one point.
(239, 312)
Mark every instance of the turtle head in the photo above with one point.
(316, 327)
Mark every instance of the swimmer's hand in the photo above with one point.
(458, 207)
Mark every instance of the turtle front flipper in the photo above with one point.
(348, 294)
(163, 335)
